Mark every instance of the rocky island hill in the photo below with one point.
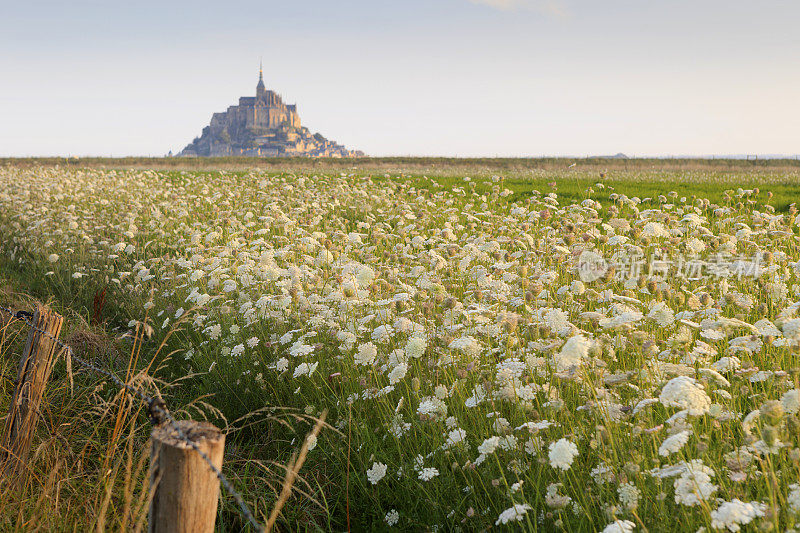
(262, 125)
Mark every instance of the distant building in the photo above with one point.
(262, 125)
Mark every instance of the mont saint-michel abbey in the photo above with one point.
(262, 125)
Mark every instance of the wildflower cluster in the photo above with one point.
(458, 337)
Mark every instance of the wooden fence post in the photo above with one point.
(34, 371)
(185, 491)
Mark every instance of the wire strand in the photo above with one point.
(157, 409)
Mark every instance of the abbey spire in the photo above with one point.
(260, 88)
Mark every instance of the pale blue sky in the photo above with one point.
(436, 77)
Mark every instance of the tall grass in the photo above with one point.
(88, 469)
(309, 292)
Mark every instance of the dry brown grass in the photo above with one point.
(78, 477)
(88, 468)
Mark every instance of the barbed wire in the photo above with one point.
(156, 408)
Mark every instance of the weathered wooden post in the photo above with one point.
(34, 371)
(185, 491)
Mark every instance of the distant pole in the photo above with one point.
(185, 492)
(34, 370)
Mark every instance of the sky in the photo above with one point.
(418, 77)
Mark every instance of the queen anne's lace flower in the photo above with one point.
(572, 353)
(455, 437)
(620, 526)
(685, 393)
(791, 401)
(426, 474)
(489, 445)
(433, 407)
(694, 485)
(366, 354)
(727, 364)
(662, 314)
(398, 373)
(392, 517)
(556, 319)
(468, 344)
(793, 497)
(654, 229)
(516, 513)
(736, 513)
(562, 453)
(382, 334)
(282, 364)
(629, 495)
(674, 443)
(214, 331)
(791, 329)
(376, 473)
(299, 349)
(365, 276)
(415, 347)
(304, 369)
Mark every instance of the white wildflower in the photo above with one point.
(376, 472)
(791, 401)
(415, 347)
(366, 354)
(489, 445)
(574, 351)
(455, 437)
(392, 517)
(694, 485)
(562, 453)
(793, 498)
(382, 334)
(629, 495)
(674, 443)
(791, 329)
(736, 513)
(311, 441)
(685, 393)
(468, 345)
(426, 474)
(619, 526)
(513, 514)
(282, 365)
(398, 373)
(304, 369)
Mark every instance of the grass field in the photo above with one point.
(569, 345)
(706, 178)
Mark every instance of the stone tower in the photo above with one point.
(261, 91)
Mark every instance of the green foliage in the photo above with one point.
(155, 237)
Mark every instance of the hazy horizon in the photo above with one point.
(451, 78)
